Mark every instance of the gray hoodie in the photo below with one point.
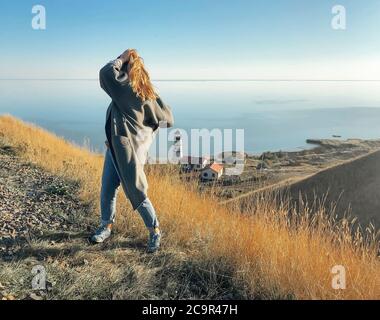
(130, 123)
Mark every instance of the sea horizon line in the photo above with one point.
(201, 80)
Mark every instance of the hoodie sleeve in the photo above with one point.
(158, 114)
(112, 79)
(164, 114)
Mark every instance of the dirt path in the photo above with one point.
(270, 187)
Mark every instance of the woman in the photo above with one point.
(135, 113)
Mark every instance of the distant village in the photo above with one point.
(206, 167)
(207, 170)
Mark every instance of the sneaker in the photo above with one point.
(154, 241)
(101, 234)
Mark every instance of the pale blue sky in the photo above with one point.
(193, 39)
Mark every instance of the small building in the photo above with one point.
(178, 145)
(189, 163)
(212, 172)
(233, 157)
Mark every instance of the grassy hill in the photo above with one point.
(209, 250)
(348, 190)
(352, 187)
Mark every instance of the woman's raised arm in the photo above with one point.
(110, 78)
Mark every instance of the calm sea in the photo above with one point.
(276, 115)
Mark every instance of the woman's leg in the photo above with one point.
(148, 214)
(108, 193)
(110, 185)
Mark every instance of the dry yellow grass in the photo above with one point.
(271, 255)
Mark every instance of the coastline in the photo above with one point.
(272, 168)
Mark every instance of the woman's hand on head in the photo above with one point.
(124, 56)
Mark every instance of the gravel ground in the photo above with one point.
(31, 201)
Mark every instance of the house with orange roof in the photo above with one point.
(212, 172)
